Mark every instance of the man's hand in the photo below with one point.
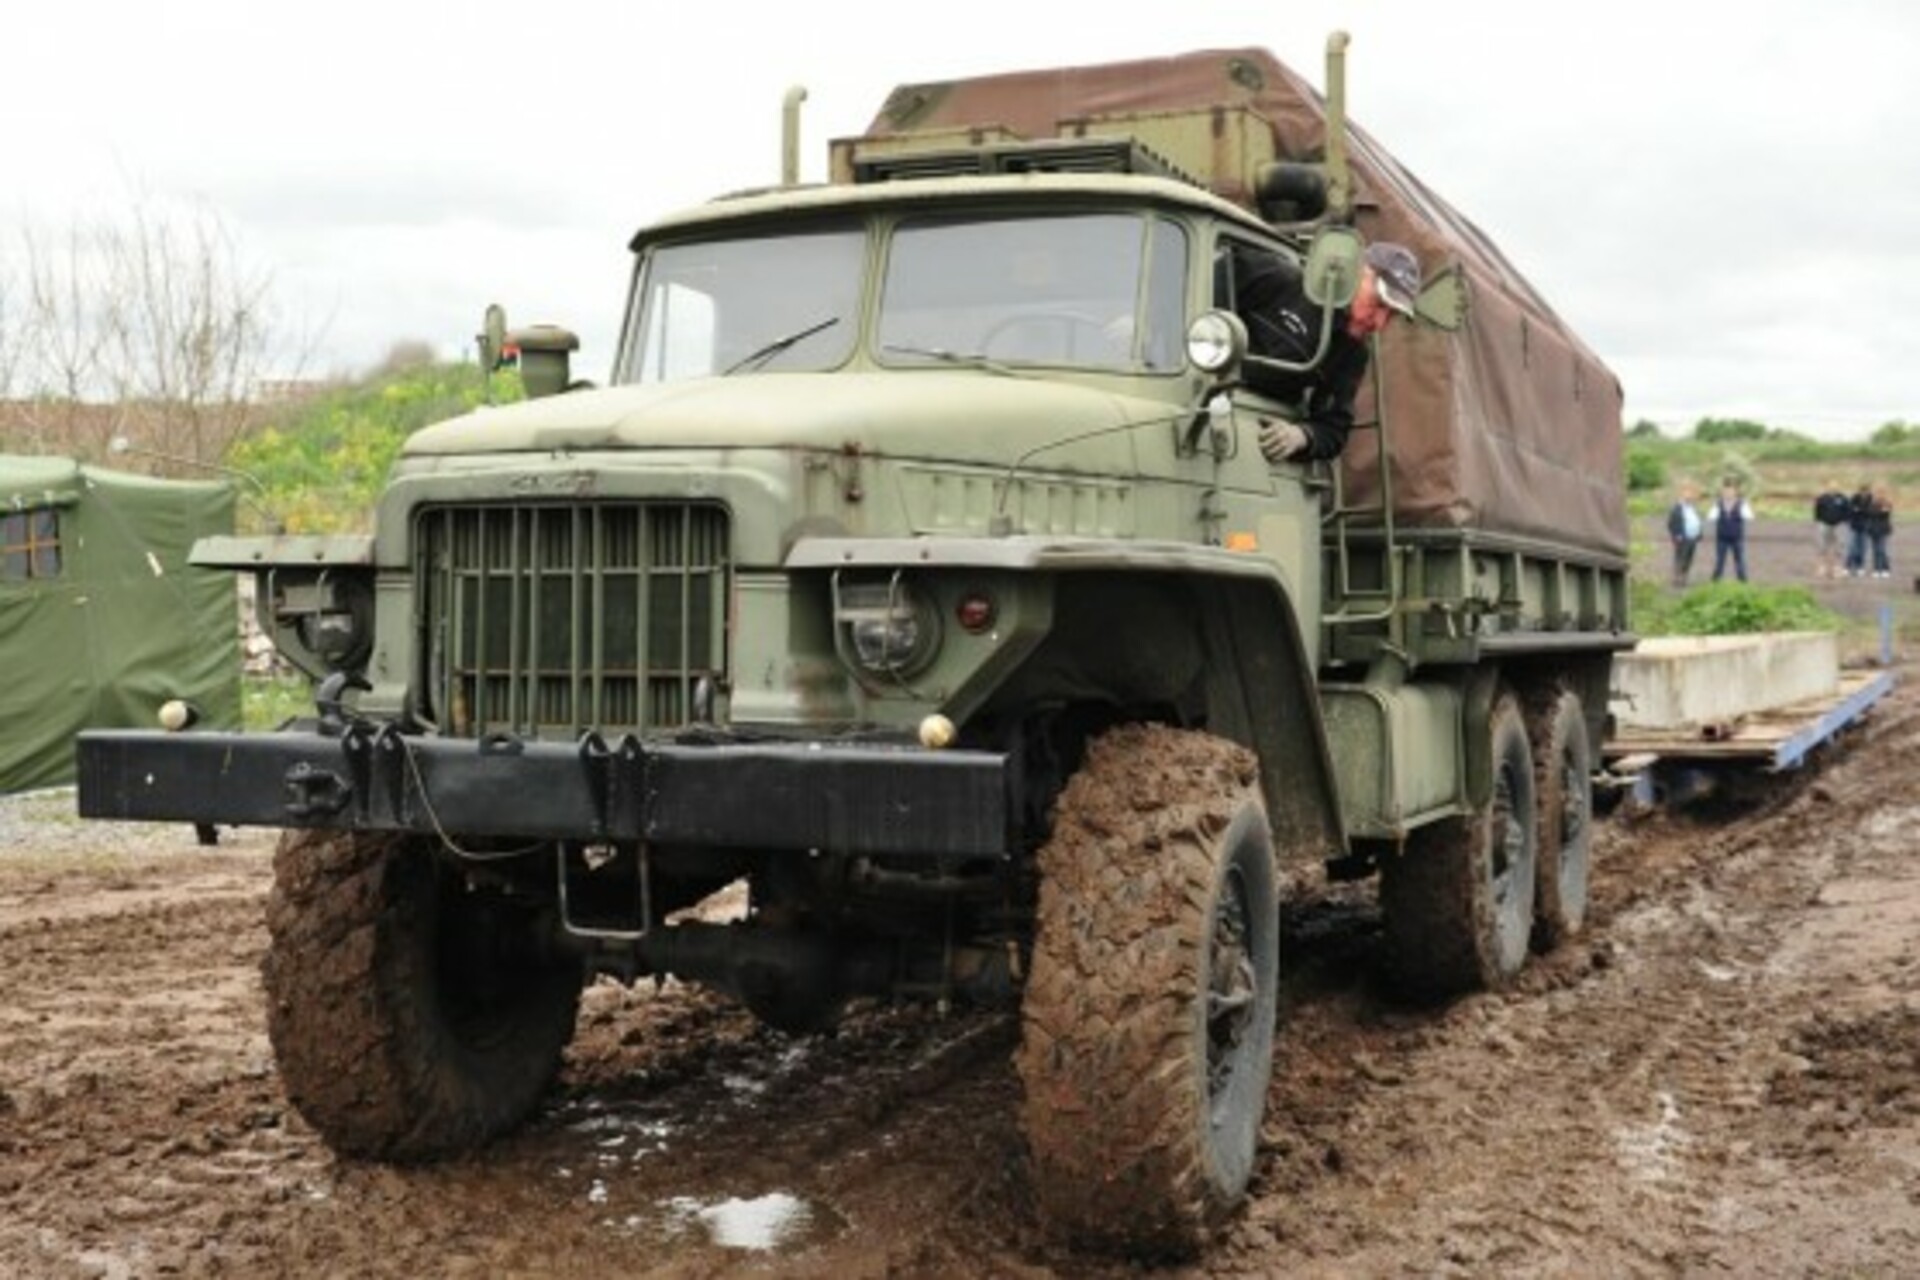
(1280, 440)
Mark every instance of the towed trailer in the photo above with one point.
(1700, 716)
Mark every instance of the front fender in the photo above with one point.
(1112, 598)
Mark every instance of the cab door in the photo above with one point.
(1268, 510)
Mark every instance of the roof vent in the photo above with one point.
(1076, 155)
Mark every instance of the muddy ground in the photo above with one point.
(1721, 1076)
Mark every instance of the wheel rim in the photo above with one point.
(1511, 887)
(1573, 818)
(1232, 991)
(486, 974)
(1508, 841)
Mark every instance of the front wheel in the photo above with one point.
(410, 1017)
(1147, 1024)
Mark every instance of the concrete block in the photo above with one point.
(1673, 681)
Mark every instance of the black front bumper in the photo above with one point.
(830, 796)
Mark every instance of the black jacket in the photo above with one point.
(1677, 521)
(1832, 508)
(1282, 324)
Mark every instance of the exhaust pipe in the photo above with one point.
(790, 136)
(1339, 178)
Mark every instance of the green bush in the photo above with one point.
(1735, 467)
(1649, 605)
(1645, 470)
(325, 460)
(1722, 430)
(1893, 434)
(1789, 447)
(1737, 608)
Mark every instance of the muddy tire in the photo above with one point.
(410, 1019)
(1147, 1023)
(1564, 791)
(1459, 902)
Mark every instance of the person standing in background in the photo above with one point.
(1857, 508)
(1879, 527)
(1829, 517)
(1729, 516)
(1683, 531)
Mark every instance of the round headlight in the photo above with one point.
(890, 629)
(1216, 342)
(886, 643)
(340, 639)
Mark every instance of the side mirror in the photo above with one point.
(1332, 271)
(492, 339)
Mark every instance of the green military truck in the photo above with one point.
(919, 567)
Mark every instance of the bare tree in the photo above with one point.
(152, 325)
(187, 327)
(63, 345)
(10, 349)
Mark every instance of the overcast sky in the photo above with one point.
(1724, 200)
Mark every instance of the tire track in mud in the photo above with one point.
(1624, 1106)
(882, 1133)
(141, 1114)
(222, 915)
(169, 978)
(1717, 1075)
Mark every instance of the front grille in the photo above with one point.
(546, 620)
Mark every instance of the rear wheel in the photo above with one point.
(1565, 791)
(410, 1017)
(1147, 1024)
(1459, 902)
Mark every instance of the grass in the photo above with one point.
(55, 805)
(1722, 608)
(267, 702)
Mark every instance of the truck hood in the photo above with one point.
(958, 415)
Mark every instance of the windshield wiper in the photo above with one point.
(760, 355)
(965, 359)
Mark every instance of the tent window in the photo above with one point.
(29, 544)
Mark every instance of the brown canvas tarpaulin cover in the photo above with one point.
(1511, 424)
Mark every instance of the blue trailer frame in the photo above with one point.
(1676, 765)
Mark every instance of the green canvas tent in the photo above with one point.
(101, 619)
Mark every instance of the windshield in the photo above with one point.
(1058, 291)
(1100, 291)
(771, 302)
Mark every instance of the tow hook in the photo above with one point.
(315, 792)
